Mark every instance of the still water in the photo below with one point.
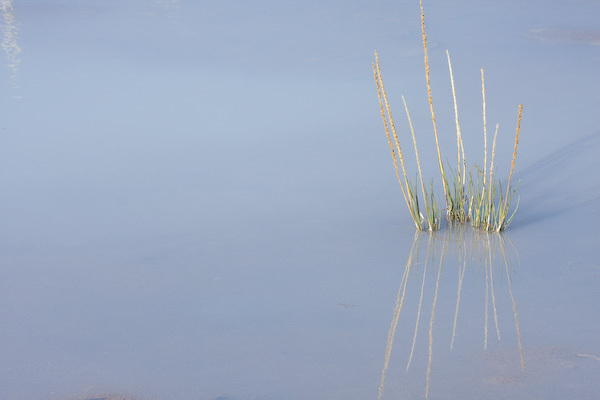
(197, 202)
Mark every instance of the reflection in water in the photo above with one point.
(9, 39)
(490, 252)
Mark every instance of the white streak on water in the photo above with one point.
(10, 34)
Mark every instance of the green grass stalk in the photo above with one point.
(485, 151)
(508, 196)
(427, 79)
(491, 186)
(462, 166)
(456, 189)
(408, 192)
(430, 208)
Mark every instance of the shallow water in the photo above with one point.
(198, 202)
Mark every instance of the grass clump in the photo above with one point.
(478, 197)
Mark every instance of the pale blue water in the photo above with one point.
(197, 200)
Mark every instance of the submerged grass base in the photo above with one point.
(478, 197)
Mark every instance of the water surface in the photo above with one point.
(198, 201)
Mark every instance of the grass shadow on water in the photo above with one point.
(562, 181)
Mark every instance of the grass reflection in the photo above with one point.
(488, 254)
